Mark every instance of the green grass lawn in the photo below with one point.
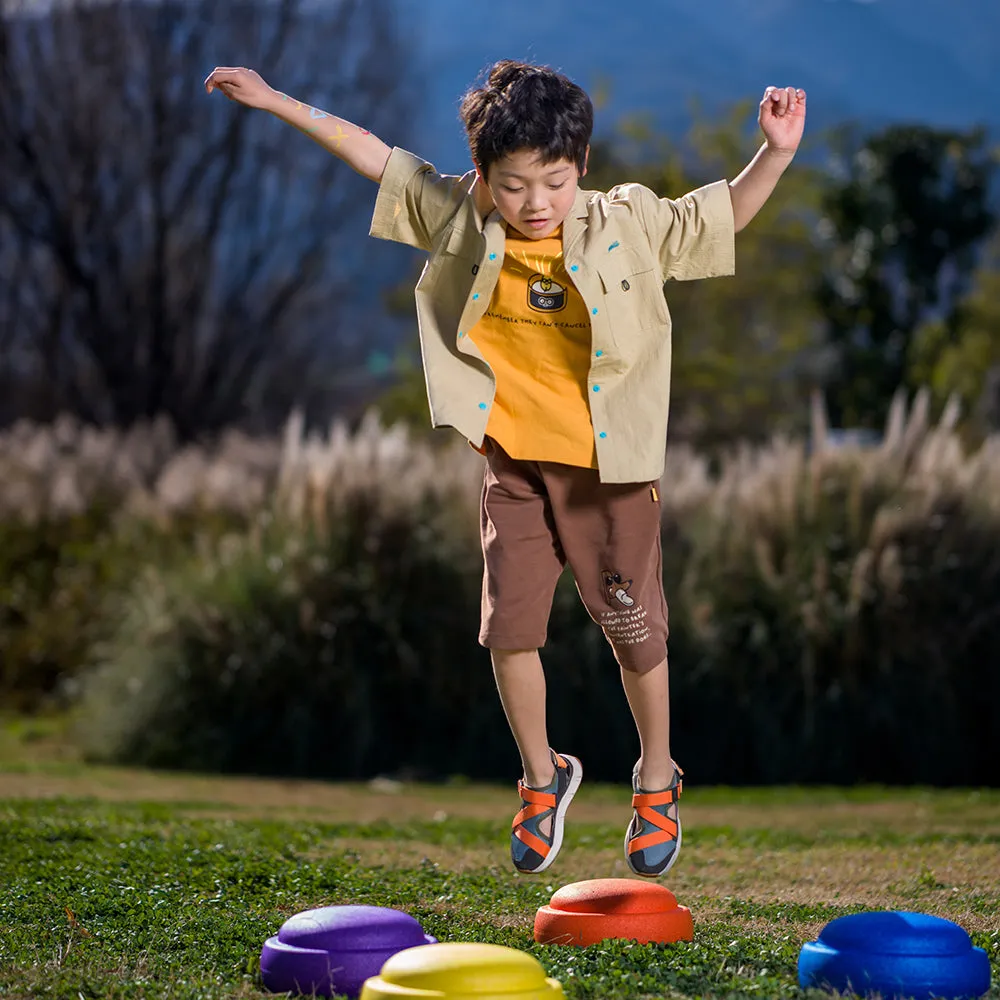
(123, 884)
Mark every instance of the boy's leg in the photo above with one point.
(523, 560)
(550, 779)
(653, 837)
(649, 699)
(521, 683)
(611, 537)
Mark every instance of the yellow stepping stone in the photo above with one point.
(461, 971)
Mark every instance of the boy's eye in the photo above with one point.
(556, 187)
(511, 190)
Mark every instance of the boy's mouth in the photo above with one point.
(537, 223)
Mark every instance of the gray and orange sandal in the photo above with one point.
(531, 849)
(653, 838)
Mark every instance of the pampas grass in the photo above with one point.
(811, 587)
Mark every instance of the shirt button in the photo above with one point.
(493, 256)
(599, 354)
(603, 434)
(476, 296)
(482, 406)
(594, 310)
(597, 388)
(575, 267)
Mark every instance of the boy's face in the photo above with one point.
(532, 196)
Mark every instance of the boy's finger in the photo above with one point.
(211, 81)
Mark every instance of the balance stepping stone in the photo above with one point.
(896, 954)
(334, 949)
(583, 913)
(462, 971)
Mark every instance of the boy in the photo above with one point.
(546, 342)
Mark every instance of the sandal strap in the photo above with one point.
(668, 797)
(665, 832)
(534, 803)
(532, 840)
(647, 807)
(533, 795)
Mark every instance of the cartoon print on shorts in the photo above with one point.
(617, 588)
(545, 294)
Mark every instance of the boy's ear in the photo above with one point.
(586, 157)
(479, 171)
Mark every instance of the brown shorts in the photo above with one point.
(538, 516)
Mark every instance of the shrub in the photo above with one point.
(82, 511)
(834, 614)
(338, 636)
(844, 609)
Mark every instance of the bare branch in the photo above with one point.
(198, 252)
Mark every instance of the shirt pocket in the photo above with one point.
(451, 271)
(457, 241)
(633, 293)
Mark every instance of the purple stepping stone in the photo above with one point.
(334, 949)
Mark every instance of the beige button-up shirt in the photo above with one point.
(619, 248)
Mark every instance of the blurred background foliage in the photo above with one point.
(309, 606)
(211, 558)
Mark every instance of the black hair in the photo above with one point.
(522, 106)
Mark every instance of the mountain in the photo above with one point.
(873, 61)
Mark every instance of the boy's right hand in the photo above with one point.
(245, 86)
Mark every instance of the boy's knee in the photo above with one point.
(507, 653)
(644, 660)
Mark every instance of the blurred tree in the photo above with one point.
(404, 400)
(965, 360)
(746, 349)
(163, 252)
(903, 225)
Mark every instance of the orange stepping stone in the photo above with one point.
(583, 913)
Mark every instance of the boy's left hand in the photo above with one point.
(782, 118)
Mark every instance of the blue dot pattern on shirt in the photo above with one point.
(493, 256)
(575, 267)
(482, 406)
(604, 434)
(597, 388)
(600, 354)
(594, 310)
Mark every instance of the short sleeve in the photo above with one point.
(414, 202)
(693, 236)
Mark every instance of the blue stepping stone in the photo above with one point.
(334, 949)
(896, 954)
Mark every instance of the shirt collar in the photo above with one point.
(575, 223)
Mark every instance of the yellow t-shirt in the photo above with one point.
(536, 337)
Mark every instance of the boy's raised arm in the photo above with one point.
(356, 146)
(782, 120)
